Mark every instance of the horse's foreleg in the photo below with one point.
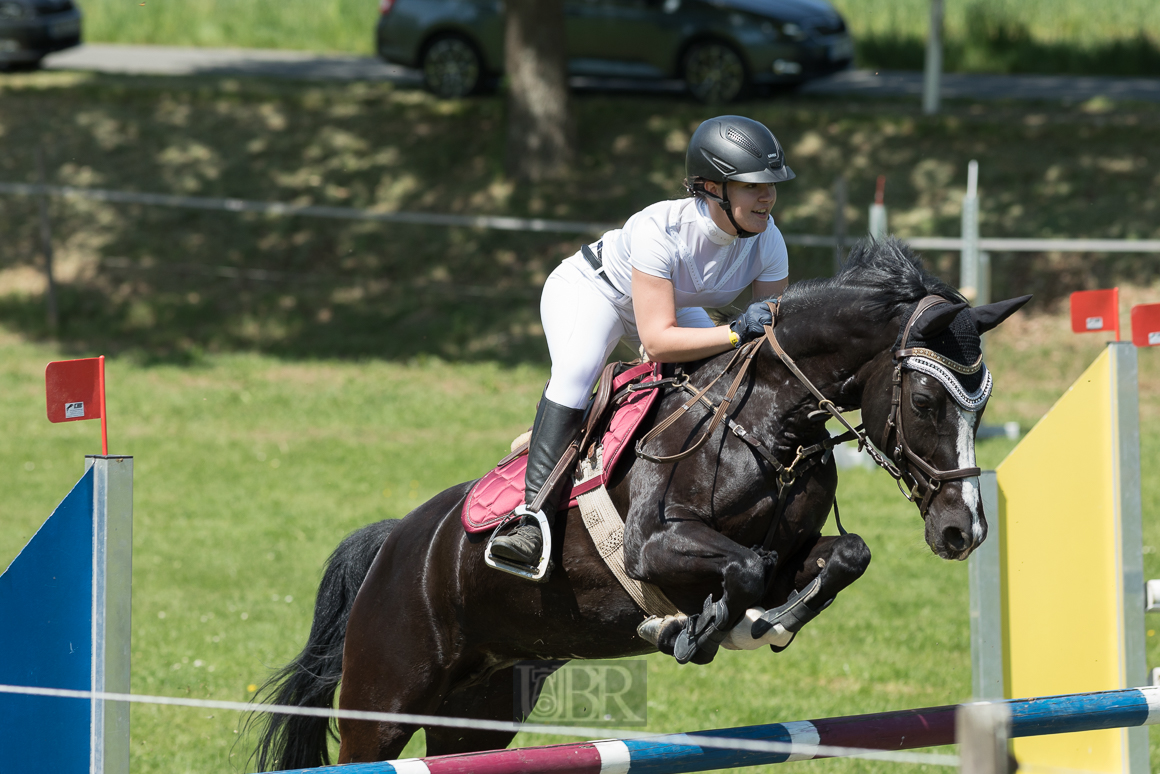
(690, 554)
(808, 584)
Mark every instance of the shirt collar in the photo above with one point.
(714, 232)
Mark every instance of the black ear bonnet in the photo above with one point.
(952, 353)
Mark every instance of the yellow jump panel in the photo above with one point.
(1060, 553)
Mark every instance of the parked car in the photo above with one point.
(30, 29)
(718, 47)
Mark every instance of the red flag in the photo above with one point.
(1096, 310)
(1146, 325)
(75, 390)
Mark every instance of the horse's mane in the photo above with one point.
(886, 272)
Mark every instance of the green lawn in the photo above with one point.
(249, 469)
(1122, 37)
(1011, 36)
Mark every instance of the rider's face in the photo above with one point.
(751, 204)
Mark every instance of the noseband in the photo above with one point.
(922, 479)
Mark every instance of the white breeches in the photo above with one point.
(584, 318)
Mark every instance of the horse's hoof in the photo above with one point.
(687, 649)
(780, 648)
(702, 636)
(651, 629)
(793, 615)
(684, 648)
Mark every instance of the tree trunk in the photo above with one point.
(540, 135)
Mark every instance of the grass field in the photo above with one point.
(1122, 37)
(1011, 36)
(269, 418)
(250, 468)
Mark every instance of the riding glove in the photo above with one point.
(751, 324)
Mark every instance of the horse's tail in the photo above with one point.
(310, 680)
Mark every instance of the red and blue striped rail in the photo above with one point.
(901, 730)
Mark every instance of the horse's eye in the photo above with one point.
(921, 401)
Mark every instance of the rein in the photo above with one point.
(927, 480)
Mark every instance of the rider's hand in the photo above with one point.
(751, 324)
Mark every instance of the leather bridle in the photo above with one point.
(925, 479)
(922, 478)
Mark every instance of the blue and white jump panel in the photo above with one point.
(901, 730)
(65, 605)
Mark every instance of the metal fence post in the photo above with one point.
(877, 219)
(839, 222)
(981, 732)
(46, 244)
(984, 568)
(112, 609)
(984, 294)
(1125, 367)
(969, 261)
(931, 86)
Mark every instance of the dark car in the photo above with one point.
(718, 47)
(30, 29)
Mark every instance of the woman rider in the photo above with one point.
(646, 283)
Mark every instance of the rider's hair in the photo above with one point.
(695, 186)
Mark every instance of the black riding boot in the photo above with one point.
(553, 430)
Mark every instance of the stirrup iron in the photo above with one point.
(539, 572)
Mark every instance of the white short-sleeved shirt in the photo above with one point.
(678, 241)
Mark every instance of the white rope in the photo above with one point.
(543, 224)
(279, 208)
(717, 742)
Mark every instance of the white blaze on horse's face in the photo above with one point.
(965, 445)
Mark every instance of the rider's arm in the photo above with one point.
(656, 322)
(769, 289)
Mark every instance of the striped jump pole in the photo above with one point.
(887, 731)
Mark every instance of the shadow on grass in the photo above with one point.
(172, 284)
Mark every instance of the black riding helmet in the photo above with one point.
(733, 149)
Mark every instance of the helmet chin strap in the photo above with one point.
(723, 203)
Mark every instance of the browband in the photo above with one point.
(930, 354)
(971, 401)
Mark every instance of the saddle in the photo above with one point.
(622, 401)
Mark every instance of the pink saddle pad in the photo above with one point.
(499, 492)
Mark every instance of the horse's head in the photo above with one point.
(922, 406)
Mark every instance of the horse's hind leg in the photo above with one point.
(390, 663)
(493, 700)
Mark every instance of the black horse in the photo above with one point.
(412, 620)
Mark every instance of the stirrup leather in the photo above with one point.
(539, 572)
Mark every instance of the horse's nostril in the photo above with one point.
(955, 539)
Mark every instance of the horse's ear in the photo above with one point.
(935, 320)
(989, 316)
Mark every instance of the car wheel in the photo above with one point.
(26, 66)
(451, 67)
(714, 72)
